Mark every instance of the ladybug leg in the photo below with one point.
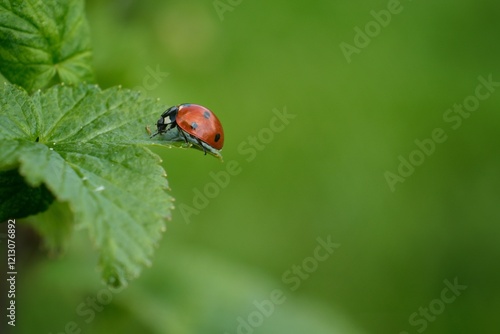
(204, 149)
(184, 135)
(200, 143)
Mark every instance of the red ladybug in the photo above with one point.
(193, 124)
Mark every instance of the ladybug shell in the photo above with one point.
(201, 123)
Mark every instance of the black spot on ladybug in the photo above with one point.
(206, 114)
(217, 137)
(194, 125)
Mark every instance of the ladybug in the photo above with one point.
(193, 124)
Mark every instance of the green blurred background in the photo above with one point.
(323, 175)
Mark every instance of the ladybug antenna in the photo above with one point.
(154, 134)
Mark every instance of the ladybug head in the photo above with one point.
(166, 121)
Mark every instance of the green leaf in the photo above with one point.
(84, 145)
(44, 42)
